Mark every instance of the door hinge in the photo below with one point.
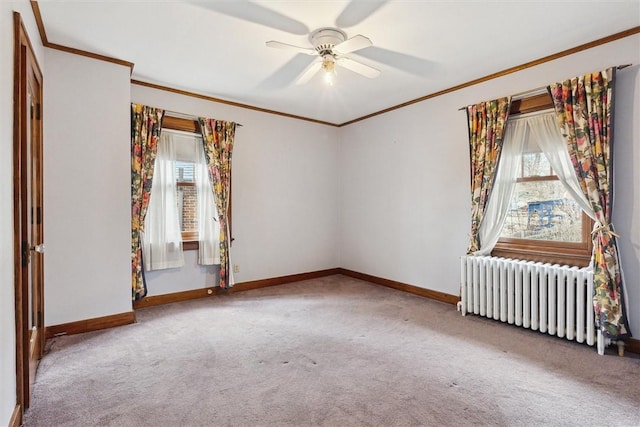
(38, 111)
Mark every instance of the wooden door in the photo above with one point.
(28, 214)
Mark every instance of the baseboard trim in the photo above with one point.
(263, 283)
(16, 417)
(89, 325)
(632, 345)
(416, 290)
(155, 300)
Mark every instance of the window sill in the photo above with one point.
(190, 245)
(579, 257)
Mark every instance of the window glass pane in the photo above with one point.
(185, 171)
(542, 210)
(187, 146)
(187, 196)
(535, 164)
(188, 208)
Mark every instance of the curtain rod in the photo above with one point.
(541, 88)
(186, 116)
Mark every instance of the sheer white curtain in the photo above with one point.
(208, 225)
(516, 133)
(541, 129)
(544, 129)
(162, 239)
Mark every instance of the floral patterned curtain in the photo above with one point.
(145, 132)
(487, 121)
(584, 110)
(217, 136)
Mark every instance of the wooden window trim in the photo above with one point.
(538, 178)
(531, 104)
(578, 254)
(185, 125)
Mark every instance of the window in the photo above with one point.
(541, 208)
(543, 221)
(186, 170)
(187, 196)
(182, 212)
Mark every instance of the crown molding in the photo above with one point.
(226, 102)
(585, 46)
(46, 43)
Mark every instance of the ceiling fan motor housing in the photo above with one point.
(324, 39)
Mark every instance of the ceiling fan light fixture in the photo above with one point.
(329, 68)
(329, 77)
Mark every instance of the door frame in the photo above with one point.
(25, 63)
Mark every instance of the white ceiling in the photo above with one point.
(217, 48)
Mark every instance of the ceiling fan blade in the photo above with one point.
(253, 12)
(286, 74)
(401, 61)
(285, 46)
(354, 43)
(357, 11)
(359, 67)
(309, 72)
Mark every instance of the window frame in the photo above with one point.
(190, 238)
(569, 253)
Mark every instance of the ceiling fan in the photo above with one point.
(331, 45)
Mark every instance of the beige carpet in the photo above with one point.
(333, 351)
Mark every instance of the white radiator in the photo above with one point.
(553, 299)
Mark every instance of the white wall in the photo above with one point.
(405, 209)
(190, 276)
(285, 194)
(7, 311)
(626, 157)
(87, 169)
